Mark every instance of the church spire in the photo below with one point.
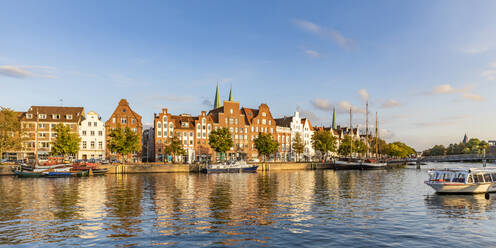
(217, 98)
(230, 95)
(333, 125)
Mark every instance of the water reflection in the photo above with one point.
(460, 206)
(286, 208)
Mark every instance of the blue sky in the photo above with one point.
(427, 67)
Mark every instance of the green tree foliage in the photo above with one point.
(66, 143)
(123, 141)
(437, 150)
(174, 148)
(359, 146)
(324, 142)
(473, 146)
(382, 146)
(265, 145)
(399, 149)
(220, 140)
(11, 133)
(298, 145)
(344, 147)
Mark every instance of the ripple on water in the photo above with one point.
(285, 209)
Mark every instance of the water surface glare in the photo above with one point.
(276, 209)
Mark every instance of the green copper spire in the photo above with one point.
(333, 118)
(217, 98)
(230, 95)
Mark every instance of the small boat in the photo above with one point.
(463, 180)
(57, 174)
(230, 166)
(21, 173)
(372, 164)
(350, 164)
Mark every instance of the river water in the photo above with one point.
(278, 209)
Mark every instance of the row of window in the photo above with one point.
(123, 120)
(95, 124)
(44, 116)
(92, 145)
(92, 133)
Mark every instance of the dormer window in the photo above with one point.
(264, 114)
(29, 116)
(68, 117)
(42, 116)
(55, 116)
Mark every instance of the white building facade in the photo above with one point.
(302, 126)
(92, 133)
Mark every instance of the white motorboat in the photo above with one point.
(463, 180)
(230, 166)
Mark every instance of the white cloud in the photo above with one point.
(326, 33)
(321, 104)
(26, 71)
(464, 93)
(473, 97)
(312, 53)
(490, 72)
(308, 114)
(344, 107)
(391, 104)
(364, 94)
(443, 89)
(476, 49)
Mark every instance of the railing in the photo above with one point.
(460, 157)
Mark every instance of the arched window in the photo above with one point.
(204, 121)
(159, 125)
(209, 127)
(198, 126)
(170, 125)
(165, 119)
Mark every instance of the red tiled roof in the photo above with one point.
(77, 113)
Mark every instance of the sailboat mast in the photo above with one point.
(351, 137)
(376, 136)
(367, 128)
(36, 140)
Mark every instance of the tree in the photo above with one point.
(298, 145)
(265, 145)
(220, 140)
(174, 148)
(344, 147)
(324, 142)
(123, 141)
(359, 147)
(399, 149)
(437, 150)
(11, 132)
(66, 142)
(382, 146)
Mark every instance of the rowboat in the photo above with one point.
(463, 180)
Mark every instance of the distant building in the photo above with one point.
(92, 133)
(124, 116)
(39, 123)
(244, 124)
(300, 126)
(148, 146)
(465, 139)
